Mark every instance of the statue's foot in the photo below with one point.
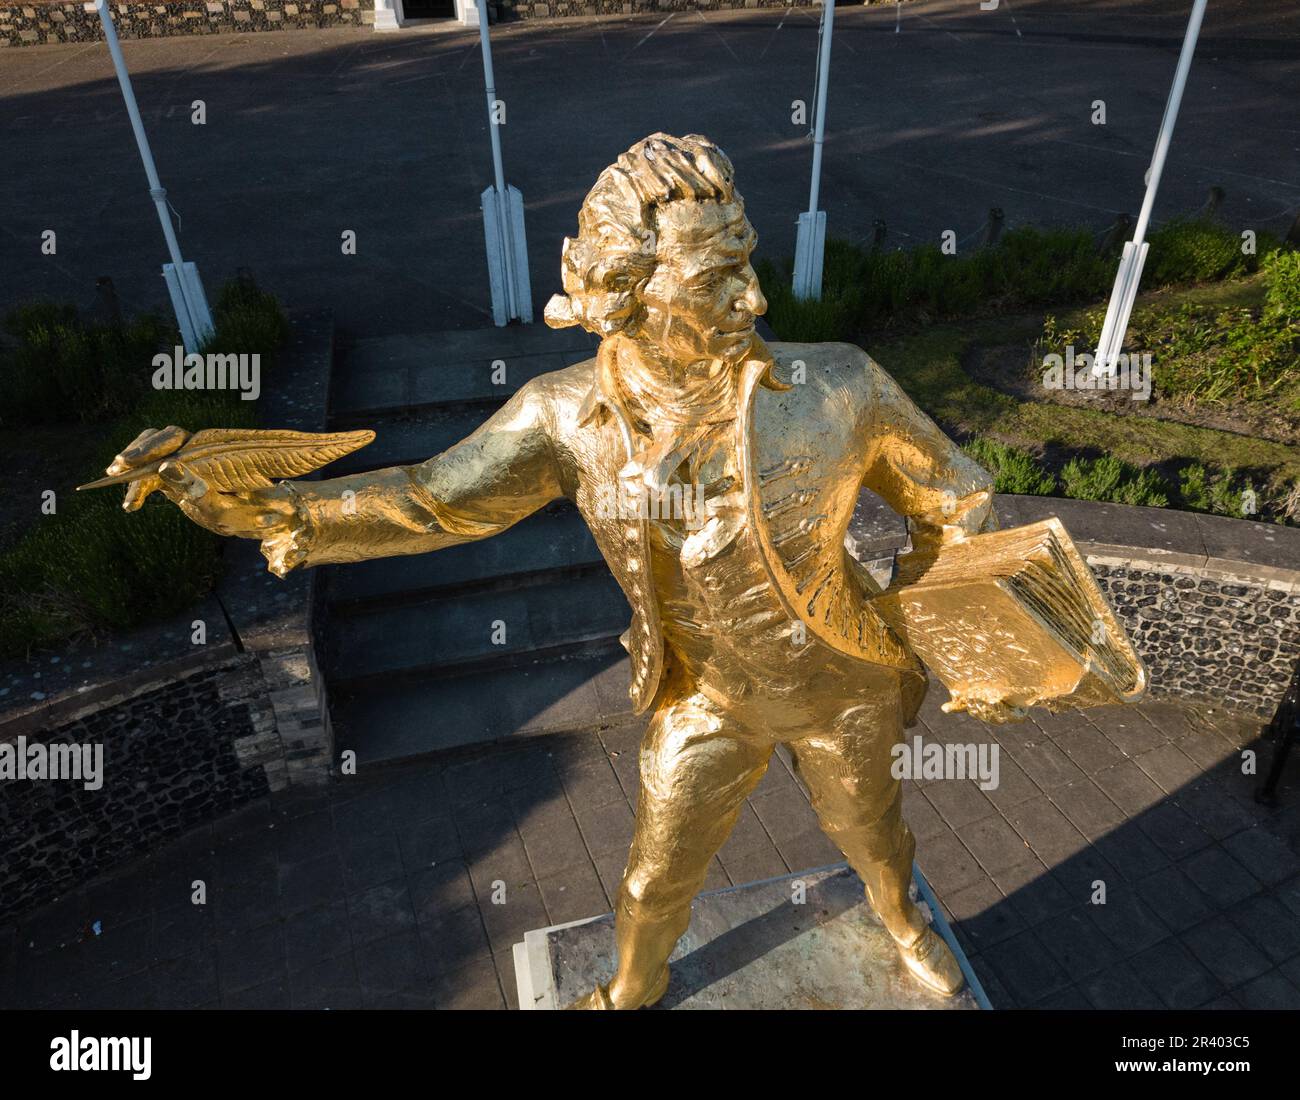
(599, 997)
(933, 963)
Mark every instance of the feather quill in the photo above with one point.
(233, 460)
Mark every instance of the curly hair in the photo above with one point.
(613, 255)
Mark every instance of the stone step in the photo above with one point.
(442, 633)
(390, 373)
(389, 722)
(553, 539)
(409, 654)
(409, 441)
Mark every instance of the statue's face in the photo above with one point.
(702, 299)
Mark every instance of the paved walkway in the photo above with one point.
(311, 133)
(377, 892)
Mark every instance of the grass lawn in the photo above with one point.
(928, 365)
(966, 335)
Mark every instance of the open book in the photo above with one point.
(1013, 615)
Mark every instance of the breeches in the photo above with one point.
(704, 753)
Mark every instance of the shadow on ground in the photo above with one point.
(379, 891)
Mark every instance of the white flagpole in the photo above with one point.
(1124, 292)
(810, 239)
(183, 284)
(503, 214)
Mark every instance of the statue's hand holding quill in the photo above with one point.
(221, 478)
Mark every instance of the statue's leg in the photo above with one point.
(859, 804)
(697, 768)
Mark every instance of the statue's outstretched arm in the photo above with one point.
(490, 480)
(495, 477)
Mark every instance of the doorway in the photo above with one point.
(429, 9)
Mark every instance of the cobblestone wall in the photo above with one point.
(28, 24)
(1207, 637)
(512, 10)
(173, 756)
(37, 21)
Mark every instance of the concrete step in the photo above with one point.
(390, 373)
(408, 641)
(554, 539)
(387, 722)
(409, 441)
(553, 612)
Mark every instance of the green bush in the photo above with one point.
(68, 369)
(248, 319)
(1195, 251)
(1111, 479)
(1222, 493)
(832, 317)
(1028, 268)
(93, 567)
(1043, 267)
(1013, 470)
(1282, 296)
(1203, 352)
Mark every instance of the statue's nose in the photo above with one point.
(753, 299)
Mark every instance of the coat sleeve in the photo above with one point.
(502, 473)
(921, 473)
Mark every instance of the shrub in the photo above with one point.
(1220, 493)
(1111, 479)
(1028, 267)
(67, 369)
(1194, 251)
(1208, 353)
(248, 319)
(92, 566)
(1282, 279)
(832, 317)
(1013, 470)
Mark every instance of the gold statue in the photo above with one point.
(718, 476)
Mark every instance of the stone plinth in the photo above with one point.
(754, 947)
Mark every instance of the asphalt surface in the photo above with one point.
(311, 133)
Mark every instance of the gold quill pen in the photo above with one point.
(230, 460)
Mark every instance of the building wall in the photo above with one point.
(32, 22)
(36, 21)
(513, 10)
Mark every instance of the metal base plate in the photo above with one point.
(754, 947)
